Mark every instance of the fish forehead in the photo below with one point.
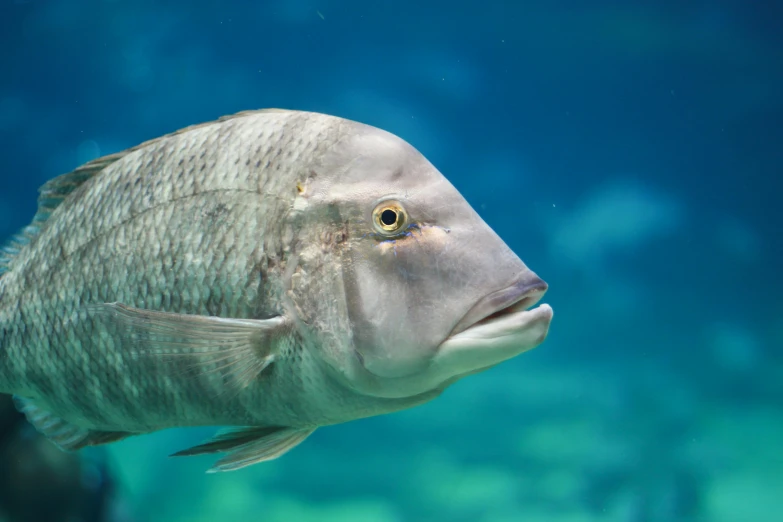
(366, 161)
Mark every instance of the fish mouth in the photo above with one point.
(520, 296)
(500, 326)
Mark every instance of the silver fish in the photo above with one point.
(272, 271)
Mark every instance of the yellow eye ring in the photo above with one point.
(389, 218)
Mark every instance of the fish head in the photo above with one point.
(426, 292)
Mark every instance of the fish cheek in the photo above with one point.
(383, 302)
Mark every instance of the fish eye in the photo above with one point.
(389, 218)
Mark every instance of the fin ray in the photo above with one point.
(67, 436)
(247, 446)
(51, 195)
(227, 440)
(238, 350)
(268, 448)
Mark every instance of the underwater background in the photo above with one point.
(629, 152)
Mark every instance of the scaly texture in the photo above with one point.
(188, 223)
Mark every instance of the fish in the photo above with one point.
(268, 273)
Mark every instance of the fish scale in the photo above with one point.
(125, 220)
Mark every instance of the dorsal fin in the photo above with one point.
(52, 193)
(55, 191)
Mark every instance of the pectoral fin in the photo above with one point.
(237, 350)
(248, 446)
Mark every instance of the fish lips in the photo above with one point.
(519, 296)
(499, 326)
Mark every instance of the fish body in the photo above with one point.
(273, 270)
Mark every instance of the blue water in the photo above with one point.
(629, 152)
